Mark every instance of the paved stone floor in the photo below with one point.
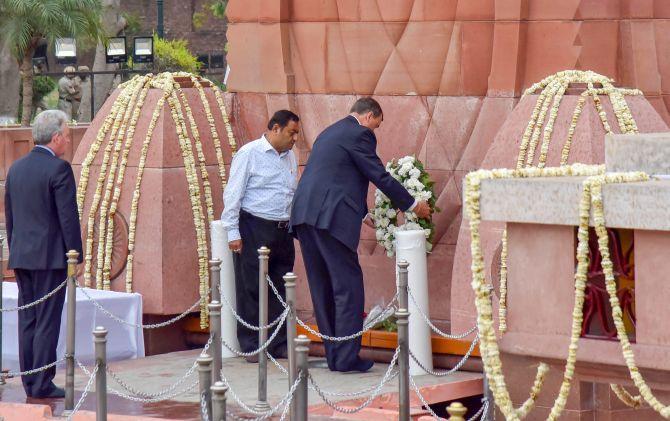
(155, 373)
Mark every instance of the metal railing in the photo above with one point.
(214, 386)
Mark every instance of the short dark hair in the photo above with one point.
(282, 117)
(365, 105)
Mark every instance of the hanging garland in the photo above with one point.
(591, 198)
(119, 129)
(553, 89)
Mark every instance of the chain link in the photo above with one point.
(262, 347)
(33, 371)
(146, 397)
(452, 370)
(241, 320)
(91, 377)
(433, 327)
(388, 376)
(334, 338)
(277, 363)
(36, 302)
(135, 325)
(203, 407)
(262, 415)
(482, 411)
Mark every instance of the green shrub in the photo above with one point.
(174, 56)
(42, 86)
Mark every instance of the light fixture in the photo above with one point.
(116, 50)
(66, 51)
(144, 50)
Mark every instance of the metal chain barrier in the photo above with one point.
(432, 326)
(33, 371)
(284, 402)
(203, 408)
(325, 392)
(91, 378)
(334, 338)
(388, 376)
(146, 397)
(241, 320)
(135, 325)
(36, 302)
(483, 411)
(277, 363)
(452, 370)
(262, 347)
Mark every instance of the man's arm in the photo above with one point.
(366, 159)
(233, 195)
(65, 189)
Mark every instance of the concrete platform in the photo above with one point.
(152, 374)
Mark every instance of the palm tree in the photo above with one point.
(24, 23)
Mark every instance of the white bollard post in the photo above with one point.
(227, 282)
(411, 247)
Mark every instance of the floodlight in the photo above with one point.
(66, 51)
(144, 50)
(116, 50)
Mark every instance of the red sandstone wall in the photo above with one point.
(447, 73)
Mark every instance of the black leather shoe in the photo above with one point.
(361, 366)
(252, 359)
(55, 393)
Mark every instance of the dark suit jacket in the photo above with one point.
(41, 212)
(332, 192)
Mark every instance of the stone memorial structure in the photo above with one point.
(541, 216)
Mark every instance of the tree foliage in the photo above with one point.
(25, 23)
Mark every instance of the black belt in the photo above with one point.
(277, 224)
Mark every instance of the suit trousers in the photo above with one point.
(336, 286)
(258, 232)
(39, 326)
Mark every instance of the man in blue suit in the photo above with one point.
(42, 225)
(329, 207)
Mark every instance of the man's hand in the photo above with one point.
(235, 246)
(368, 221)
(422, 209)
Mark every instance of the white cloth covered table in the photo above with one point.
(123, 341)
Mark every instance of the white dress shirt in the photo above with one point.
(262, 182)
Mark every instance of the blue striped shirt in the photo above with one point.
(262, 182)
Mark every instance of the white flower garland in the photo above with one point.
(409, 171)
(120, 126)
(591, 200)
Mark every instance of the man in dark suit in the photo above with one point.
(328, 209)
(42, 225)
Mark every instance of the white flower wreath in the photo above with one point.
(410, 172)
